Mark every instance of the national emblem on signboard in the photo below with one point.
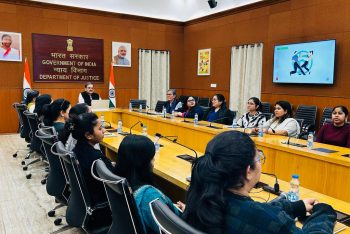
(69, 45)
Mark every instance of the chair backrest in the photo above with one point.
(124, 213)
(326, 114)
(300, 122)
(57, 180)
(308, 113)
(233, 114)
(159, 106)
(204, 101)
(33, 121)
(182, 99)
(135, 103)
(79, 203)
(168, 221)
(268, 115)
(265, 107)
(23, 120)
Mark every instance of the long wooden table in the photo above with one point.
(326, 173)
(175, 171)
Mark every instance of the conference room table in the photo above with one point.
(322, 172)
(175, 171)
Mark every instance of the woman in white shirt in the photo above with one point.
(253, 118)
(282, 123)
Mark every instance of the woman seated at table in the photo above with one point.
(253, 117)
(218, 199)
(191, 109)
(282, 123)
(87, 129)
(218, 112)
(135, 162)
(56, 114)
(30, 100)
(337, 132)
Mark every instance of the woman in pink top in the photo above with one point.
(337, 132)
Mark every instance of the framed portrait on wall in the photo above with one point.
(203, 67)
(121, 54)
(11, 46)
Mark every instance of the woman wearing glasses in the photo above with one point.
(218, 199)
(218, 112)
(282, 123)
(337, 132)
(191, 109)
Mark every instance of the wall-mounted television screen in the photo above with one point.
(304, 63)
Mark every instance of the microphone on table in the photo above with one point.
(276, 188)
(135, 125)
(215, 121)
(185, 156)
(292, 143)
(273, 130)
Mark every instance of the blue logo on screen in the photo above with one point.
(302, 62)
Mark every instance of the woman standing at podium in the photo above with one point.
(337, 132)
(218, 199)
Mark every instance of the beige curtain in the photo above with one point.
(154, 72)
(245, 78)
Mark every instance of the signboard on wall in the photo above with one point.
(67, 59)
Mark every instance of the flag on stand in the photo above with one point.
(111, 93)
(26, 79)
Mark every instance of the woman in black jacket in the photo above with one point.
(218, 112)
(190, 109)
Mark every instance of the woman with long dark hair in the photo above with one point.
(282, 123)
(190, 109)
(87, 129)
(56, 113)
(135, 162)
(218, 112)
(30, 100)
(218, 199)
(337, 132)
(253, 117)
(40, 102)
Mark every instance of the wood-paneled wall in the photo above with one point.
(278, 23)
(29, 17)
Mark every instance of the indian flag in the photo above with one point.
(111, 93)
(26, 79)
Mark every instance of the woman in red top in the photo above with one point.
(337, 132)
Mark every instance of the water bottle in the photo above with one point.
(144, 130)
(293, 194)
(164, 112)
(102, 119)
(120, 126)
(195, 119)
(310, 140)
(172, 115)
(130, 106)
(261, 130)
(156, 143)
(140, 108)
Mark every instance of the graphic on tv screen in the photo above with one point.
(306, 63)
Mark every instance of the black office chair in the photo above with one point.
(268, 115)
(159, 106)
(233, 115)
(57, 184)
(308, 114)
(24, 128)
(168, 221)
(204, 101)
(265, 107)
(326, 114)
(183, 99)
(80, 211)
(124, 213)
(35, 143)
(135, 103)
